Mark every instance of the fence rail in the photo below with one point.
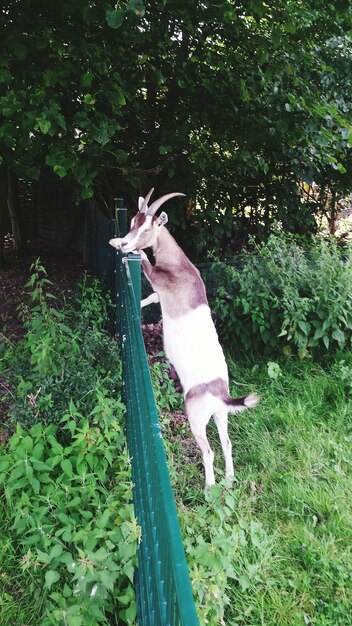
(163, 587)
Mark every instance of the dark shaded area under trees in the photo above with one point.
(240, 105)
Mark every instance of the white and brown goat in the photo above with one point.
(190, 339)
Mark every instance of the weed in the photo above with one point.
(65, 479)
(65, 354)
(71, 511)
(166, 395)
(285, 299)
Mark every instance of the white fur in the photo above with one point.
(115, 243)
(129, 242)
(153, 298)
(192, 346)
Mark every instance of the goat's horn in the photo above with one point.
(154, 207)
(144, 206)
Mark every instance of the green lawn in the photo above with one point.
(274, 548)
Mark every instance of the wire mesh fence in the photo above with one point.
(163, 587)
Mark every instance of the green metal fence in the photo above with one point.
(163, 588)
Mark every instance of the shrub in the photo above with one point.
(69, 498)
(65, 475)
(224, 550)
(284, 297)
(167, 397)
(66, 353)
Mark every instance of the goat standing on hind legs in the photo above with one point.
(190, 339)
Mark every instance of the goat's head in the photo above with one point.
(145, 224)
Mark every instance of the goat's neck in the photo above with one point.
(166, 251)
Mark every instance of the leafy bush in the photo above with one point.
(224, 550)
(65, 354)
(70, 502)
(284, 297)
(166, 395)
(65, 474)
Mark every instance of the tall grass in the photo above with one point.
(293, 483)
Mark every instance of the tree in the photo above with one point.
(234, 103)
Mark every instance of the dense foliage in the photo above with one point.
(65, 476)
(234, 103)
(65, 353)
(283, 297)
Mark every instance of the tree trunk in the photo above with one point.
(3, 211)
(332, 214)
(14, 208)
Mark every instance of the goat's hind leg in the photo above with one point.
(220, 418)
(198, 423)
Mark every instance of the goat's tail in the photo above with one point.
(235, 405)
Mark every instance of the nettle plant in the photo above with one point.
(287, 298)
(65, 474)
(66, 352)
(69, 495)
(224, 552)
(166, 395)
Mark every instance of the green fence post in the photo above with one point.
(133, 260)
(162, 583)
(120, 217)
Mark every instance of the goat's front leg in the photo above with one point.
(146, 266)
(153, 298)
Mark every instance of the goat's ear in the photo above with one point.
(140, 202)
(162, 219)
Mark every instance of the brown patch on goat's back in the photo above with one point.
(179, 290)
(176, 279)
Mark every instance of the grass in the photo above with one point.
(20, 598)
(293, 479)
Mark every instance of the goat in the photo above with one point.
(190, 340)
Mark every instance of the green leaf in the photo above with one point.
(120, 97)
(89, 99)
(339, 336)
(55, 552)
(137, 7)
(40, 465)
(107, 579)
(44, 126)
(131, 613)
(66, 465)
(305, 326)
(74, 620)
(114, 17)
(341, 168)
(35, 484)
(244, 582)
(4, 464)
(51, 577)
(60, 171)
(319, 333)
(18, 471)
